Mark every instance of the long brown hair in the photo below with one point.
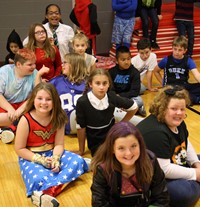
(105, 156)
(58, 115)
(48, 48)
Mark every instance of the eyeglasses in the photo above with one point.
(52, 13)
(172, 91)
(40, 32)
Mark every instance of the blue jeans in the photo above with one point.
(183, 193)
(138, 100)
(151, 13)
(183, 27)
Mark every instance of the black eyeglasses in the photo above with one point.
(40, 32)
(172, 91)
(52, 13)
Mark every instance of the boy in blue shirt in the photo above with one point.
(177, 67)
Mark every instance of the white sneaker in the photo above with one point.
(43, 200)
(88, 161)
(7, 136)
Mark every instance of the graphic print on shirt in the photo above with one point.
(44, 135)
(123, 79)
(180, 155)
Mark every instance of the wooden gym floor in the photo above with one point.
(77, 193)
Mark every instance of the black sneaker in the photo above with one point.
(6, 135)
(141, 111)
(154, 46)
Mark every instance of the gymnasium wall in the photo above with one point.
(20, 14)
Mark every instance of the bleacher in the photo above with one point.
(166, 33)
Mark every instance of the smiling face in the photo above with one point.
(53, 15)
(43, 102)
(99, 85)
(175, 113)
(127, 151)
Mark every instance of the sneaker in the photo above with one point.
(43, 200)
(88, 161)
(142, 112)
(155, 46)
(6, 135)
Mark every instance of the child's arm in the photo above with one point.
(149, 82)
(157, 74)
(129, 115)
(40, 73)
(21, 140)
(4, 104)
(81, 140)
(196, 74)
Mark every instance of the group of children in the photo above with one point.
(47, 105)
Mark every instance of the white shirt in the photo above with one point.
(97, 103)
(144, 66)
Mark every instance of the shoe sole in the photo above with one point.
(7, 136)
(43, 200)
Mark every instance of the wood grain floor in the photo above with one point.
(77, 193)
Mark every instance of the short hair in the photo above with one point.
(122, 49)
(180, 41)
(143, 44)
(80, 36)
(23, 55)
(161, 101)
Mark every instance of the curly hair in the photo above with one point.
(161, 101)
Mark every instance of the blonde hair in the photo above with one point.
(77, 66)
(80, 36)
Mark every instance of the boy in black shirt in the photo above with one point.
(126, 78)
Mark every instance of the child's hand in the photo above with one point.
(43, 70)
(11, 61)
(153, 89)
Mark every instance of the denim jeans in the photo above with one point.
(183, 27)
(151, 13)
(183, 193)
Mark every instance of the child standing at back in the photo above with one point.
(14, 43)
(95, 110)
(80, 44)
(145, 62)
(124, 21)
(70, 86)
(177, 67)
(126, 78)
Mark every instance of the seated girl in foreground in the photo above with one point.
(45, 166)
